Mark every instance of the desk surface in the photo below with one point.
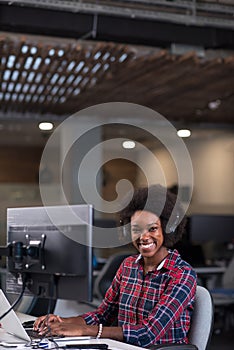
(113, 344)
(210, 269)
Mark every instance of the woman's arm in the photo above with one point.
(73, 326)
(88, 323)
(107, 312)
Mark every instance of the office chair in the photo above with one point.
(201, 324)
(107, 273)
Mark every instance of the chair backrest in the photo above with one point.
(202, 320)
(107, 273)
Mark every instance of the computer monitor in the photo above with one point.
(52, 248)
(216, 228)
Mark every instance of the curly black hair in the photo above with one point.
(160, 201)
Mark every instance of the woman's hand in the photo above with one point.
(62, 329)
(55, 325)
(46, 320)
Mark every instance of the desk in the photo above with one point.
(205, 272)
(210, 269)
(113, 344)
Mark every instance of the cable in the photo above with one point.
(17, 300)
(52, 293)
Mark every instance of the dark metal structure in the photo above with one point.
(60, 56)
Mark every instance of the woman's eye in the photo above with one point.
(153, 229)
(136, 231)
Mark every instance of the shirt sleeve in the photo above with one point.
(177, 296)
(107, 312)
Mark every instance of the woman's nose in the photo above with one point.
(144, 233)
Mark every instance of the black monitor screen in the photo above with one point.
(216, 228)
(52, 248)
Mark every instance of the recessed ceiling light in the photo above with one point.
(46, 126)
(214, 104)
(128, 144)
(184, 133)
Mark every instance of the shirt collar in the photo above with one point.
(168, 262)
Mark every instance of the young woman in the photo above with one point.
(152, 294)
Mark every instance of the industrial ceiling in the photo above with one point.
(176, 57)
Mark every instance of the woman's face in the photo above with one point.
(146, 232)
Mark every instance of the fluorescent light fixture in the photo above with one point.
(128, 144)
(184, 133)
(46, 126)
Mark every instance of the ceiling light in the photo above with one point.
(184, 133)
(128, 144)
(214, 104)
(46, 126)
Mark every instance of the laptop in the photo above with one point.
(11, 323)
(14, 330)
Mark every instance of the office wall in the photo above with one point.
(213, 162)
(19, 171)
(19, 164)
(18, 180)
(212, 156)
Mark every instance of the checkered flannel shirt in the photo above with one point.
(155, 308)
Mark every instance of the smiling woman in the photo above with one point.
(148, 239)
(161, 202)
(152, 294)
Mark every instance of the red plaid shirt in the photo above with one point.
(151, 309)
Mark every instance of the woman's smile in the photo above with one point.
(146, 245)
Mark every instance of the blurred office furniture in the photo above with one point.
(107, 273)
(201, 325)
(192, 253)
(208, 275)
(228, 277)
(70, 308)
(203, 228)
(213, 234)
(223, 297)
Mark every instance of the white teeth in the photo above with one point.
(149, 245)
